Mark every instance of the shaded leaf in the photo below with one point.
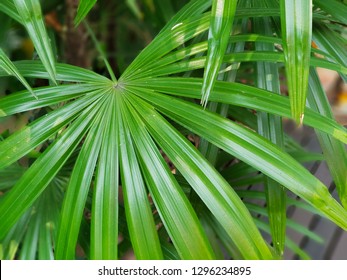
(337, 9)
(43, 170)
(334, 151)
(270, 127)
(7, 65)
(9, 8)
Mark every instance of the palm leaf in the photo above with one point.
(253, 150)
(31, 17)
(143, 234)
(83, 9)
(334, 151)
(38, 176)
(7, 65)
(208, 184)
(222, 17)
(77, 191)
(270, 127)
(104, 229)
(38, 131)
(170, 201)
(296, 19)
(335, 8)
(8, 7)
(245, 96)
(67, 73)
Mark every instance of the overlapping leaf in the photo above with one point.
(222, 17)
(253, 150)
(208, 184)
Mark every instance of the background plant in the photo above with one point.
(123, 157)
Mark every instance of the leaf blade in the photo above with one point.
(32, 19)
(270, 127)
(143, 234)
(244, 96)
(245, 145)
(208, 183)
(83, 9)
(38, 176)
(222, 17)
(171, 203)
(296, 21)
(7, 65)
(77, 190)
(104, 227)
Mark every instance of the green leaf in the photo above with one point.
(334, 151)
(30, 242)
(40, 130)
(104, 224)
(83, 9)
(192, 9)
(270, 127)
(289, 243)
(207, 183)
(10, 243)
(329, 41)
(222, 17)
(9, 8)
(188, 23)
(335, 8)
(48, 96)
(296, 21)
(7, 65)
(65, 72)
(141, 226)
(32, 19)
(245, 96)
(134, 7)
(252, 149)
(198, 63)
(50, 206)
(44, 169)
(172, 204)
(259, 210)
(79, 184)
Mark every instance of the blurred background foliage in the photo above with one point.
(123, 29)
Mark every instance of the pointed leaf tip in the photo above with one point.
(11, 69)
(222, 17)
(83, 9)
(296, 21)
